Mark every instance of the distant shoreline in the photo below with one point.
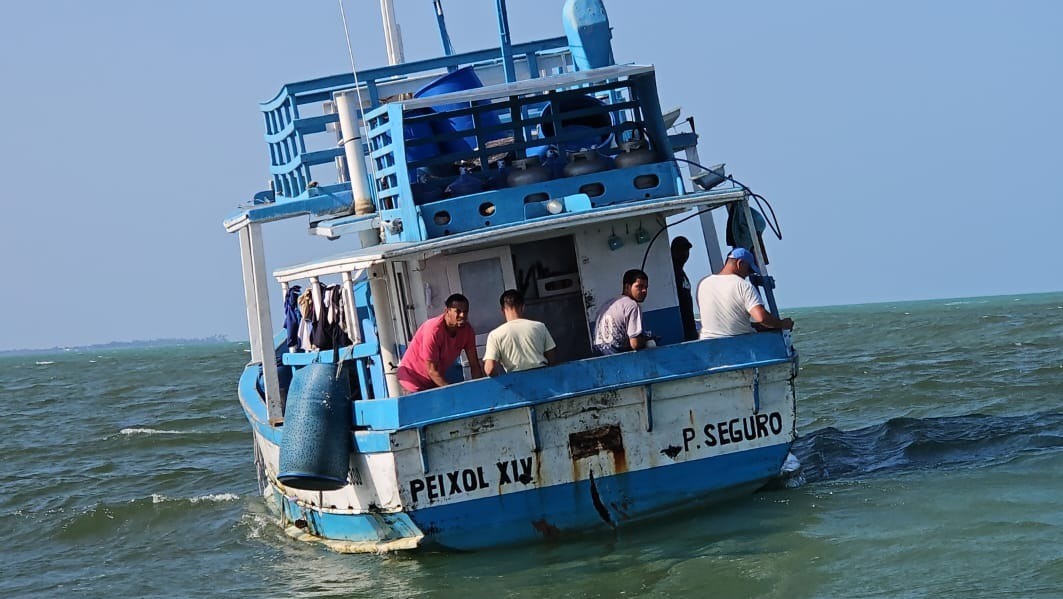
(139, 344)
(220, 339)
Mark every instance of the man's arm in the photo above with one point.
(475, 370)
(551, 356)
(768, 320)
(491, 367)
(636, 336)
(434, 374)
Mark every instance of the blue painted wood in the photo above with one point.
(565, 509)
(319, 205)
(666, 324)
(366, 527)
(595, 375)
(509, 204)
(346, 353)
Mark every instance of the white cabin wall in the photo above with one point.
(436, 286)
(602, 270)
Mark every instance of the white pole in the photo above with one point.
(392, 34)
(352, 312)
(347, 106)
(256, 293)
(348, 109)
(708, 226)
(385, 327)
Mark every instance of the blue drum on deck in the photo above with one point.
(316, 446)
(460, 80)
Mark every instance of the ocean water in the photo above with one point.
(931, 435)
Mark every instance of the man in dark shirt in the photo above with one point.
(680, 254)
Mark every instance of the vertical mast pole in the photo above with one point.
(503, 34)
(392, 35)
(443, 35)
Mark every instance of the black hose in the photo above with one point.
(775, 228)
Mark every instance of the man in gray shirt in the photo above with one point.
(619, 325)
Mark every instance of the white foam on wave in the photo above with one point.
(147, 431)
(214, 497)
(44, 362)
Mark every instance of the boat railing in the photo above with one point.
(604, 374)
(362, 354)
(421, 193)
(290, 117)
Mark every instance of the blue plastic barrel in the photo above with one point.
(315, 450)
(460, 80)
(418, 130)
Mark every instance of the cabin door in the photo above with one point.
(482, 276)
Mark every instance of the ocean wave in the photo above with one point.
(148, 431)
(44, 362)
(908, 444)
(213, 497)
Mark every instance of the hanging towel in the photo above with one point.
(292, 317)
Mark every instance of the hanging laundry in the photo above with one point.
(738, 234)
(306, 323)
(335, 314)
(292, 317)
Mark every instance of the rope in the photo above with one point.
(358, 94)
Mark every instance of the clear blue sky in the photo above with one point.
(911, 149)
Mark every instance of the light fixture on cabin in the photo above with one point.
(615, 242)
(641, 235)
(554, 206)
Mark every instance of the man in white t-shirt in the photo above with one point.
(518, 343)
(619, 325)
(727, 300)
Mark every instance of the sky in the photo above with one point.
(910, 149)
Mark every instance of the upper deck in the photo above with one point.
(458, 153)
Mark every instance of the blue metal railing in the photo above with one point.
(412, 196)
(286, 127)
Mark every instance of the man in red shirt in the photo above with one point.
(436, 345)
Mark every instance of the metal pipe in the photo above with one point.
(347, 106)
(507, 48)
(392, 33)
(442, 23)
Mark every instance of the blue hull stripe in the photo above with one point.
(537, 513)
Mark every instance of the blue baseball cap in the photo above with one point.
(745, 256)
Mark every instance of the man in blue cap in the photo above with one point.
(728, 301)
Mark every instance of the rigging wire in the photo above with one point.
(358, 93)
(773, 223)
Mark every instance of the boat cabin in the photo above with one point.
(469, 174)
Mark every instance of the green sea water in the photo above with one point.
(931, 435)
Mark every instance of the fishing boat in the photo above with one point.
(542, 166)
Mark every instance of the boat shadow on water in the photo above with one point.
(913, 444)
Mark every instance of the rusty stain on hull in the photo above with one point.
(545, 528)
(588, 443)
